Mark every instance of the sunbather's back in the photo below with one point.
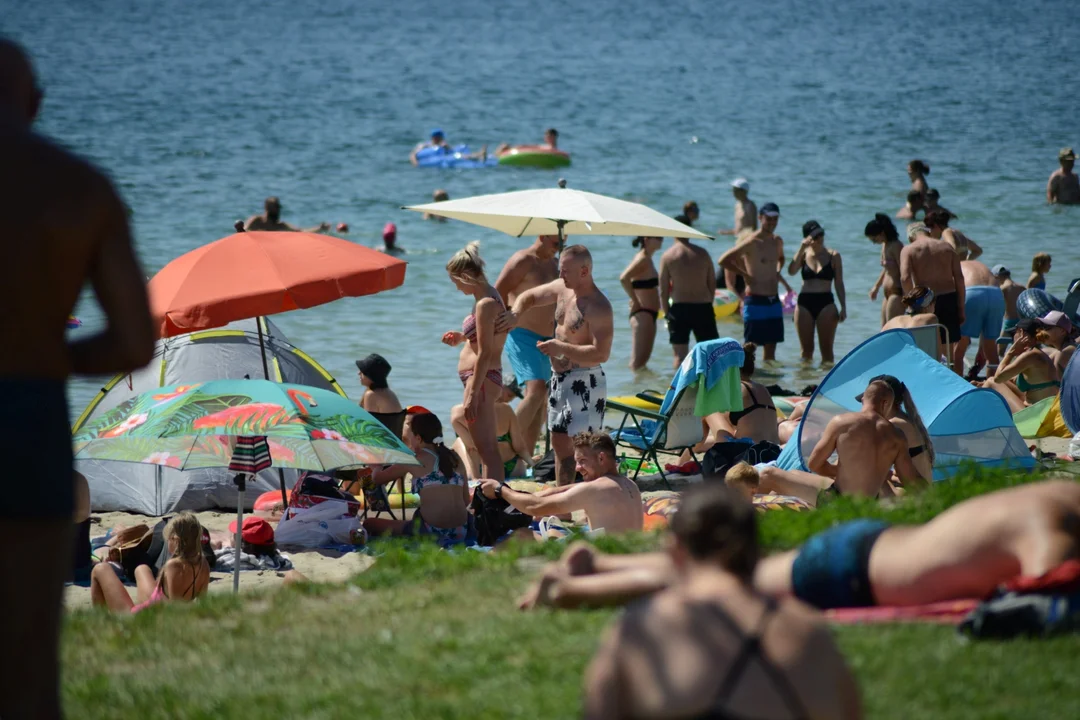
(973, 547)
(713, 648)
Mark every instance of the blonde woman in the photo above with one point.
(185, 576)
(480, 361)
(1040, 265)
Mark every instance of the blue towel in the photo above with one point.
(710, 359)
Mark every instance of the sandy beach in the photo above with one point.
(324, 566)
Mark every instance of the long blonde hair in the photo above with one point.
(188, 532)
(466, 264)
(1040, 261)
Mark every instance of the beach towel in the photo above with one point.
(949, 612)
(660, 506)
(226, 556)
(717, 363)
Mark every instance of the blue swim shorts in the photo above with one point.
(984, 311)
(528, 362)
(832, 569)
(763, 319)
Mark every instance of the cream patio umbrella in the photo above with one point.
(559, 211)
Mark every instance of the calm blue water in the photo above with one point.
(200, 109)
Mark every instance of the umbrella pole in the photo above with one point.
(262, 348)
(241, 486)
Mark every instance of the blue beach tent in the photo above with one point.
(965, 423)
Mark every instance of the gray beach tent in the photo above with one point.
(231, 352)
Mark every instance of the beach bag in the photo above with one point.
(324, 524)
(723, 456)
(313, 489)
(494, 517)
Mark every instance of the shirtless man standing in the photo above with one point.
(534, 266)
(984, 310)
(745, 222)
(933, 263)
(55, 205)
(687, 289)
(965, 552)
(1011, 290)
(271, 220)
(1064, 185)
(610, 501)
(584, 326)
(758, 257)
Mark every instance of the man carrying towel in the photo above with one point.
(526, 269)
(584, 326)
(65, 227)
(758, 258)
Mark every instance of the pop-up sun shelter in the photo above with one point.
(966, 424)
(231, 352)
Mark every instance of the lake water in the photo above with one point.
(200, 109)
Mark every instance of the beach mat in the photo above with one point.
(949, 612)
(1043, 419)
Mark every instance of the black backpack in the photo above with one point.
(494, 518)
(723, 456)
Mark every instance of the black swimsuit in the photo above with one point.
(815, 302)
(646, 284)
(735, 417)
(751, 647)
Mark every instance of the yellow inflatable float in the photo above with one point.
(725, 302)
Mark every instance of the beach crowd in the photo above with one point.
(712, 597)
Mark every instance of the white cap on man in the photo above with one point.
(741, 184)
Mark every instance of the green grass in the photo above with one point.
(427, 634)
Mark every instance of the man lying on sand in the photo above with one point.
(611, 501)
(965, 552)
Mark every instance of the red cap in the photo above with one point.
(389, 230)
(256, 531)
(417, 410)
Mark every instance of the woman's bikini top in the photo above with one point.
(751, 648)
(736, 417)
(1025, 386)
(468, 325)
(646, 284)
(825, 273)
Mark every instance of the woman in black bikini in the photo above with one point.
(757, 420)
(739, 654)
(816, 310)
(641, 282)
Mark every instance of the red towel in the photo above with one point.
(687, 468)
(1065, 578)
(949, 612)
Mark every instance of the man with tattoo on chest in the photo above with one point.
(583, 333)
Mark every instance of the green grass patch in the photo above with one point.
(430, 634)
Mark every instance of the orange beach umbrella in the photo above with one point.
(251, 274)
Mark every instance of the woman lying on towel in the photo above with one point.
(737, 653)
(184, 577)
(965, 552)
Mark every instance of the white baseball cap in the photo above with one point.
(741, 183)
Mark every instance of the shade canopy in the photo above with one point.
(551, 211)
(251, 274)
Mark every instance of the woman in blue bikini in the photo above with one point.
(1040, 265)
(446, 518)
